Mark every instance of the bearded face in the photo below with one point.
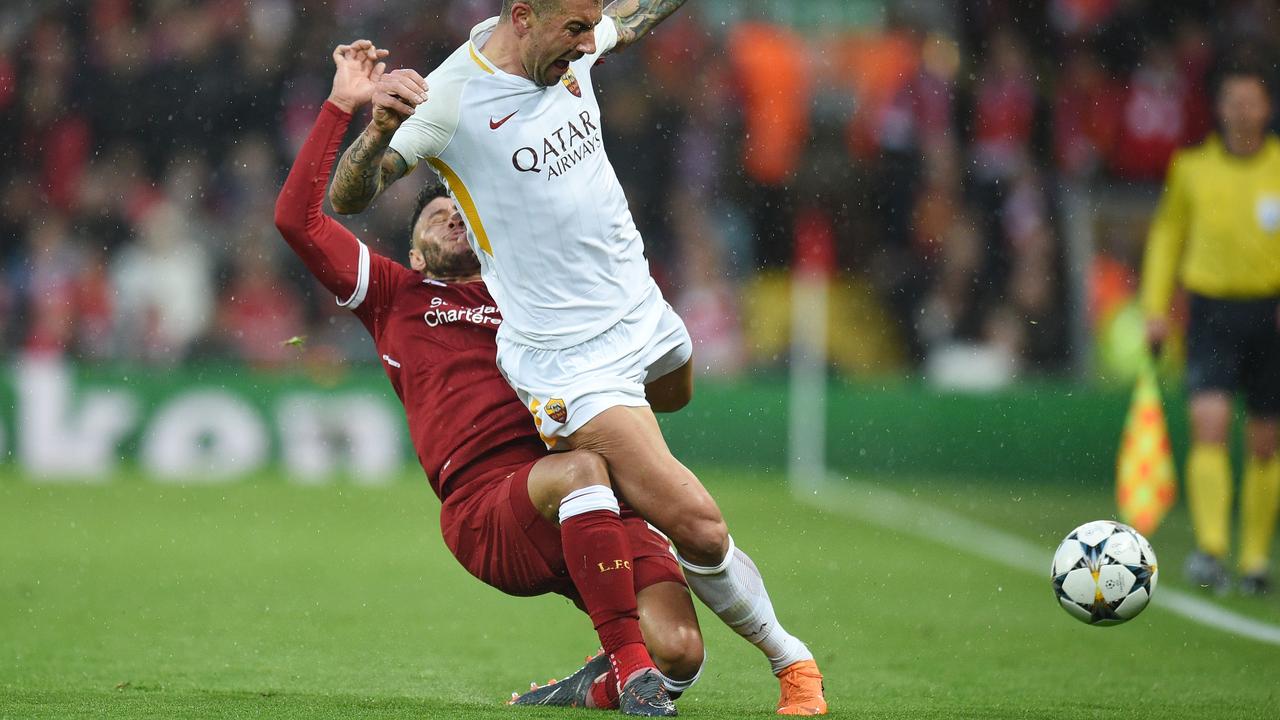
(440, 248)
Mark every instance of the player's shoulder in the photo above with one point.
(399, 276)
(432, 126)
(453, 75)
(1196, 153)
(465, 73)
(1211, 150)
(1195, 157)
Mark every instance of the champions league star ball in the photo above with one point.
(1104, 573)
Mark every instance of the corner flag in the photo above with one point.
(1145, 482)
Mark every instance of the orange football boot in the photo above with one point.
(801, 690)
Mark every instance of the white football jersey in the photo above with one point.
(545, 212)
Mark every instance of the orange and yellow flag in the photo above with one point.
(1145, 482)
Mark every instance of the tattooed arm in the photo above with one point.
(637, 17)
(369, 166)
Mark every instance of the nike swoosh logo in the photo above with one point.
(494, 125)
(755, 634)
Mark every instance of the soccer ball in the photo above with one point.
(1104, 573)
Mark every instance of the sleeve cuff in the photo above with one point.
(362, 281)
(610, 40)
(331, 107)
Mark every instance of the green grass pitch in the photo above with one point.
(265, 599)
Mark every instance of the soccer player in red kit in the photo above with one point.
(434, 327)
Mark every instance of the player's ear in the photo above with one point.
(522, 18)
(416, 260)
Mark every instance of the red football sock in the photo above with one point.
(604, 692)
(598, 557)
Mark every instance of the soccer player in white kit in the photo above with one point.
(511, 124)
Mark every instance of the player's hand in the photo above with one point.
(359, 66)
(1157, 333)
(396, 96)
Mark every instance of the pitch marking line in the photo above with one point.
(894, 511)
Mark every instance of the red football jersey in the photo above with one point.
(438, 344)
(437, 341)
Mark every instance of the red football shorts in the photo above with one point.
(499, 537)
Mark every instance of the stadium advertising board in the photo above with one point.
(65, 429)
(75, 423)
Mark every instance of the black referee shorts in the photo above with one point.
(1234, 346)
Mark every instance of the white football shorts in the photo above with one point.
(564, 389)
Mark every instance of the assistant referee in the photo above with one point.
(1217, 233)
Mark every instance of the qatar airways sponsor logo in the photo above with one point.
(560, 151)
(442, 314)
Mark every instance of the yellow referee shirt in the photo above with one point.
(1217, 229)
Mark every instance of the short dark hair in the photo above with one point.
(1246, 62)
(539, 6)
(429, 192)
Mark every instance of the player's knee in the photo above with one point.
(584, 468)
(1211, 418)
(1264, 443)
(1210, 433)
(679, 652)
(701, 536)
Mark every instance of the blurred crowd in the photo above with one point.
(926, 157)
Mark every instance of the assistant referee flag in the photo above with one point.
(1145, 483)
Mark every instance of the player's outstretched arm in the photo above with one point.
(369, 166)
(328, 250)
(637, 17)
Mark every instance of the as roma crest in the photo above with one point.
(571, 82)
(556, 410)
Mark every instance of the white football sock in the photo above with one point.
(735, 592)
(588, 499)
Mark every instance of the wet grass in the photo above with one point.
(265, 599)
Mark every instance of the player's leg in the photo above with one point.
(667, 618)
(1212, 378)
(1260, 498)
(1209, 486)
(1260, 491)
(734, 590)
(667, 621)
(556, 476)
(573, 490)
(670, 627)
(667, 494)
(671, 631)
(731, 585)
(592, 397)
(672, 391)
(653, 482)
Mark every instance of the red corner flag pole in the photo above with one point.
(1146, 486)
